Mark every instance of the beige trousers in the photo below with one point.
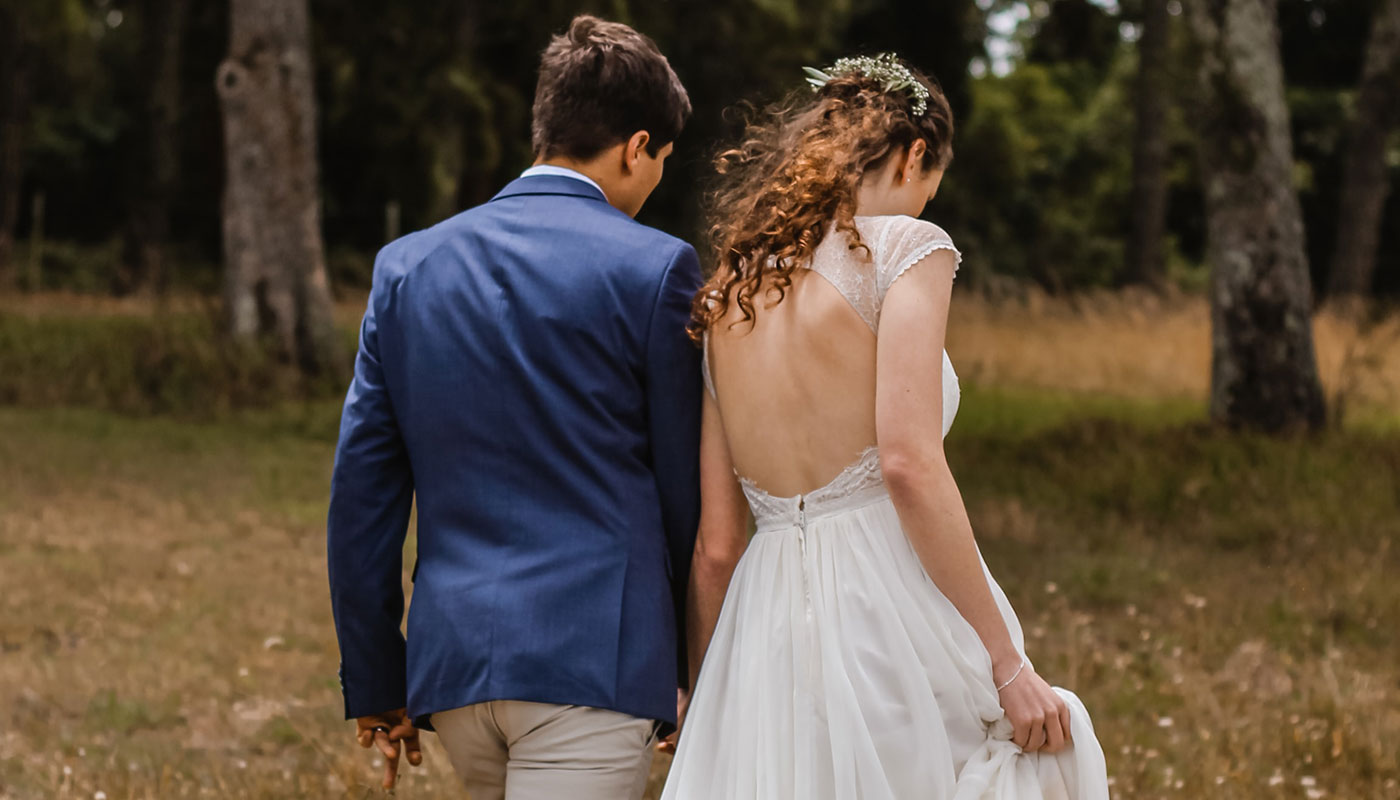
(514, 750)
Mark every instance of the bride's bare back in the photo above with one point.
(796, 388)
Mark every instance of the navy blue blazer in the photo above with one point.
(524, 373)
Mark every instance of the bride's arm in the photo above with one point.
(909, 428)
(722, 537)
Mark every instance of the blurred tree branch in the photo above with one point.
(15, 64)
(149, 227)
(1146, 262)
(1366, 176)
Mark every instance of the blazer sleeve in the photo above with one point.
(673, 404)
(371, 499)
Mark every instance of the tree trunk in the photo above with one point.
(1146, 245)
(1263, 368)
(14, 104)
(1365, 177)
(164, 23)
(274, 260)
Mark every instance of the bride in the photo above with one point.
(862, 649)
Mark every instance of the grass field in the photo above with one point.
(1225, 605)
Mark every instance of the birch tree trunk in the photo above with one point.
(1365, 177)
(274, 261)
(1263, 368)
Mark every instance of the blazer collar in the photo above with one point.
(550, 184)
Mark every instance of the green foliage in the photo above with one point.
(66, 264)
(1042, 178)
(427, 107)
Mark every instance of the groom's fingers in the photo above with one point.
(391, 757)
(387, 746)
(412, 748)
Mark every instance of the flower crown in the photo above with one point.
(885, 68)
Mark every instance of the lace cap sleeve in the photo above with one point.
(909, 242)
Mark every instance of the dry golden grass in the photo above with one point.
(1224, 605)
(1140, 345)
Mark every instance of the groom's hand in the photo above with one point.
(668, 745)
(386, 731)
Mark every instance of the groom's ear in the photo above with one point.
(632, 150)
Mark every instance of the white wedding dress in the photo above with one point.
(838, 670)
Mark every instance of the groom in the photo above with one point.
(524, 374)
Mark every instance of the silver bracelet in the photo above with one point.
(1013, 677)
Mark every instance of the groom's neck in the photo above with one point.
(591, 168)
(602, 169)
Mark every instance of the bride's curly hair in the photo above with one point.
(795, 171)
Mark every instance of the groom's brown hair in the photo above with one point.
(601, 82)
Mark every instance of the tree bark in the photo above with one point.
(1365, 177)
(275, 272)
(164, 22)
(14, 105)
(1263, 367)
(1146, 244)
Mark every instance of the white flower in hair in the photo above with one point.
(885, 68)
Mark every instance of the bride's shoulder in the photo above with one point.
(894, 231)
(902, 242)
(914, 228)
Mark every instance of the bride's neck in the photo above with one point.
(874, 198)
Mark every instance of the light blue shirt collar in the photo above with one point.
(563, 172)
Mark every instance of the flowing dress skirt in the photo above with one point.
(839, 671)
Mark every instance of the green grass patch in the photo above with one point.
(172, 363)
